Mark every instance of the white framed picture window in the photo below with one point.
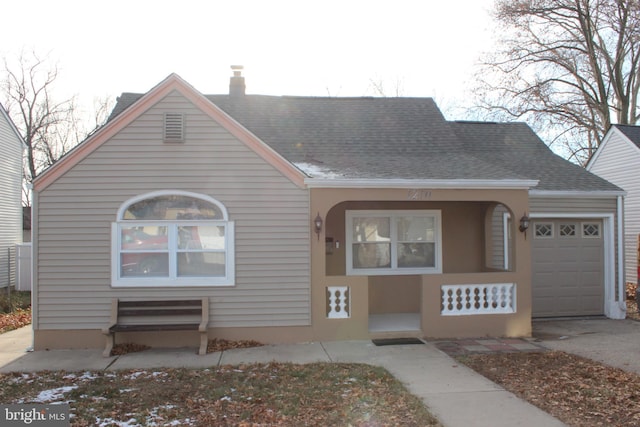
(385, 242)
(172, 239)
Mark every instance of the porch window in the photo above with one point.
(393, 242)
(172, 239)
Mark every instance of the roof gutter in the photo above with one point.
(462, 184)
(595, 194)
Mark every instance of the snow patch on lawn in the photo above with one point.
(154, 419)
(85, 376)
(108, 422)
(53, 395)
(138, 374)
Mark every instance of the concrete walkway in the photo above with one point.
(456, 395)
(14, 345)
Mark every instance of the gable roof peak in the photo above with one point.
(124, 114)
(632, 132)
(12, 125)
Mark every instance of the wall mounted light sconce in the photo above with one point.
(524, 224)
(317, 225)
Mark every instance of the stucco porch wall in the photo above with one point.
(435, 325)
(331, 203)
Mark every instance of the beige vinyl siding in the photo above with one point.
(619, 163)
(270, 214)
(10, 200)
(577, 205)
(497, 232)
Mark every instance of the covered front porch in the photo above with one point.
(449, 306)
(434, 268)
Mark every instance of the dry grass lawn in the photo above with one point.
(578, 391)
(273, 394)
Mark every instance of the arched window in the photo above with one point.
(172, 239)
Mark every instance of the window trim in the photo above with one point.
(123, 208)
(391, 214)
(568, 236)
(543, 223)
(590, 236)
(173, 280)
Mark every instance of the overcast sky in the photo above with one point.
(319, 48)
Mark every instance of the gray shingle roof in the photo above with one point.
(397, 138)
(515, 147)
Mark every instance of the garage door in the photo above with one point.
(568, 267)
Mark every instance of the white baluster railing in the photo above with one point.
(339, 302)
(489, 298)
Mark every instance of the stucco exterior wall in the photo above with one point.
(463, 235)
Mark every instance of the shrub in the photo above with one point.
(19, 300)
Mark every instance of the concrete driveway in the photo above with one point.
(612, 342)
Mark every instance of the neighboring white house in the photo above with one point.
(618, 161)
(11, 147)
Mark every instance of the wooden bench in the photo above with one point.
(158, 316)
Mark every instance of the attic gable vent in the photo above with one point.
(173, 127)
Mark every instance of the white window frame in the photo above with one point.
(568, 236)
(391, 214)
(506, 239)
(543, 223)
(591, 236)
(173, 280)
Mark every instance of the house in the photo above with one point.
(318, 219)
(11, 147)
(617, 160)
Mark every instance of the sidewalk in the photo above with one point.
(14, 344)
(456, 395)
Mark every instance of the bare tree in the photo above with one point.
(49, 128)
(379, 88)
(568, 67)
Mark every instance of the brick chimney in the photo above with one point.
(236, 84)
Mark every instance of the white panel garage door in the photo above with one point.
(568, 267)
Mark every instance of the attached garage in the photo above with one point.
(568, 263)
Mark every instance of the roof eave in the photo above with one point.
(13, 127)
(475, 184)
(604, 142)
(590, 194)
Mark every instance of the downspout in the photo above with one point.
(35, 303)
(620, 250)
